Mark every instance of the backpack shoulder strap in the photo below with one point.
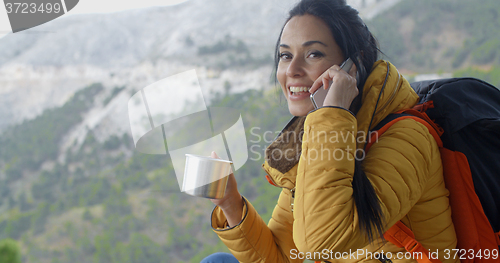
(401, 236)
(420, 117)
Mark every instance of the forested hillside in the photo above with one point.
(105, 202)
(428, 36)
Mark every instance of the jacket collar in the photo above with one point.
(396, 95)
(284, 153)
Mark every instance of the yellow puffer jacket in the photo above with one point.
(404, 167)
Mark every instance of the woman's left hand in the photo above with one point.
(343, 89)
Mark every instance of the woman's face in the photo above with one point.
(307, 49)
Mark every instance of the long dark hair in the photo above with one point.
(356, 42)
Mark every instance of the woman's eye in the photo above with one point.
(284, 56)
(316, 54)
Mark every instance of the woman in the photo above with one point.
(337, 202)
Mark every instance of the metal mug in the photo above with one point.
(205, 176)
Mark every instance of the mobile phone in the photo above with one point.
(318, 97)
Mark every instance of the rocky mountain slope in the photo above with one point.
(42, 67)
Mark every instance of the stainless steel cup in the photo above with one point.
(205, 176)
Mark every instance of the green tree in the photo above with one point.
(9, 251)
(87, 215)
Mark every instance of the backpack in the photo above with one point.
(463, 115)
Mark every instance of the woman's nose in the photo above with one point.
(295, 68)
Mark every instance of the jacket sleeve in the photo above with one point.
(325, 212)
(253, 241)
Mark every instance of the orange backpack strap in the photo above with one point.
(401, 236)
(422, 118)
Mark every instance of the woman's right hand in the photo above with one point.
(343, 89)
(232, 202)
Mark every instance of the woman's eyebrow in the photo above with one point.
(305, 44)
(308, 43)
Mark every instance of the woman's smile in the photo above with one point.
(298, 92)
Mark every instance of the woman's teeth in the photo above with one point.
(299, 89)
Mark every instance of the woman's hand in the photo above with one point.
(343, 89)
(232, 202)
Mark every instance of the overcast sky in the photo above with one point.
(110, 6)
(93, 6)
